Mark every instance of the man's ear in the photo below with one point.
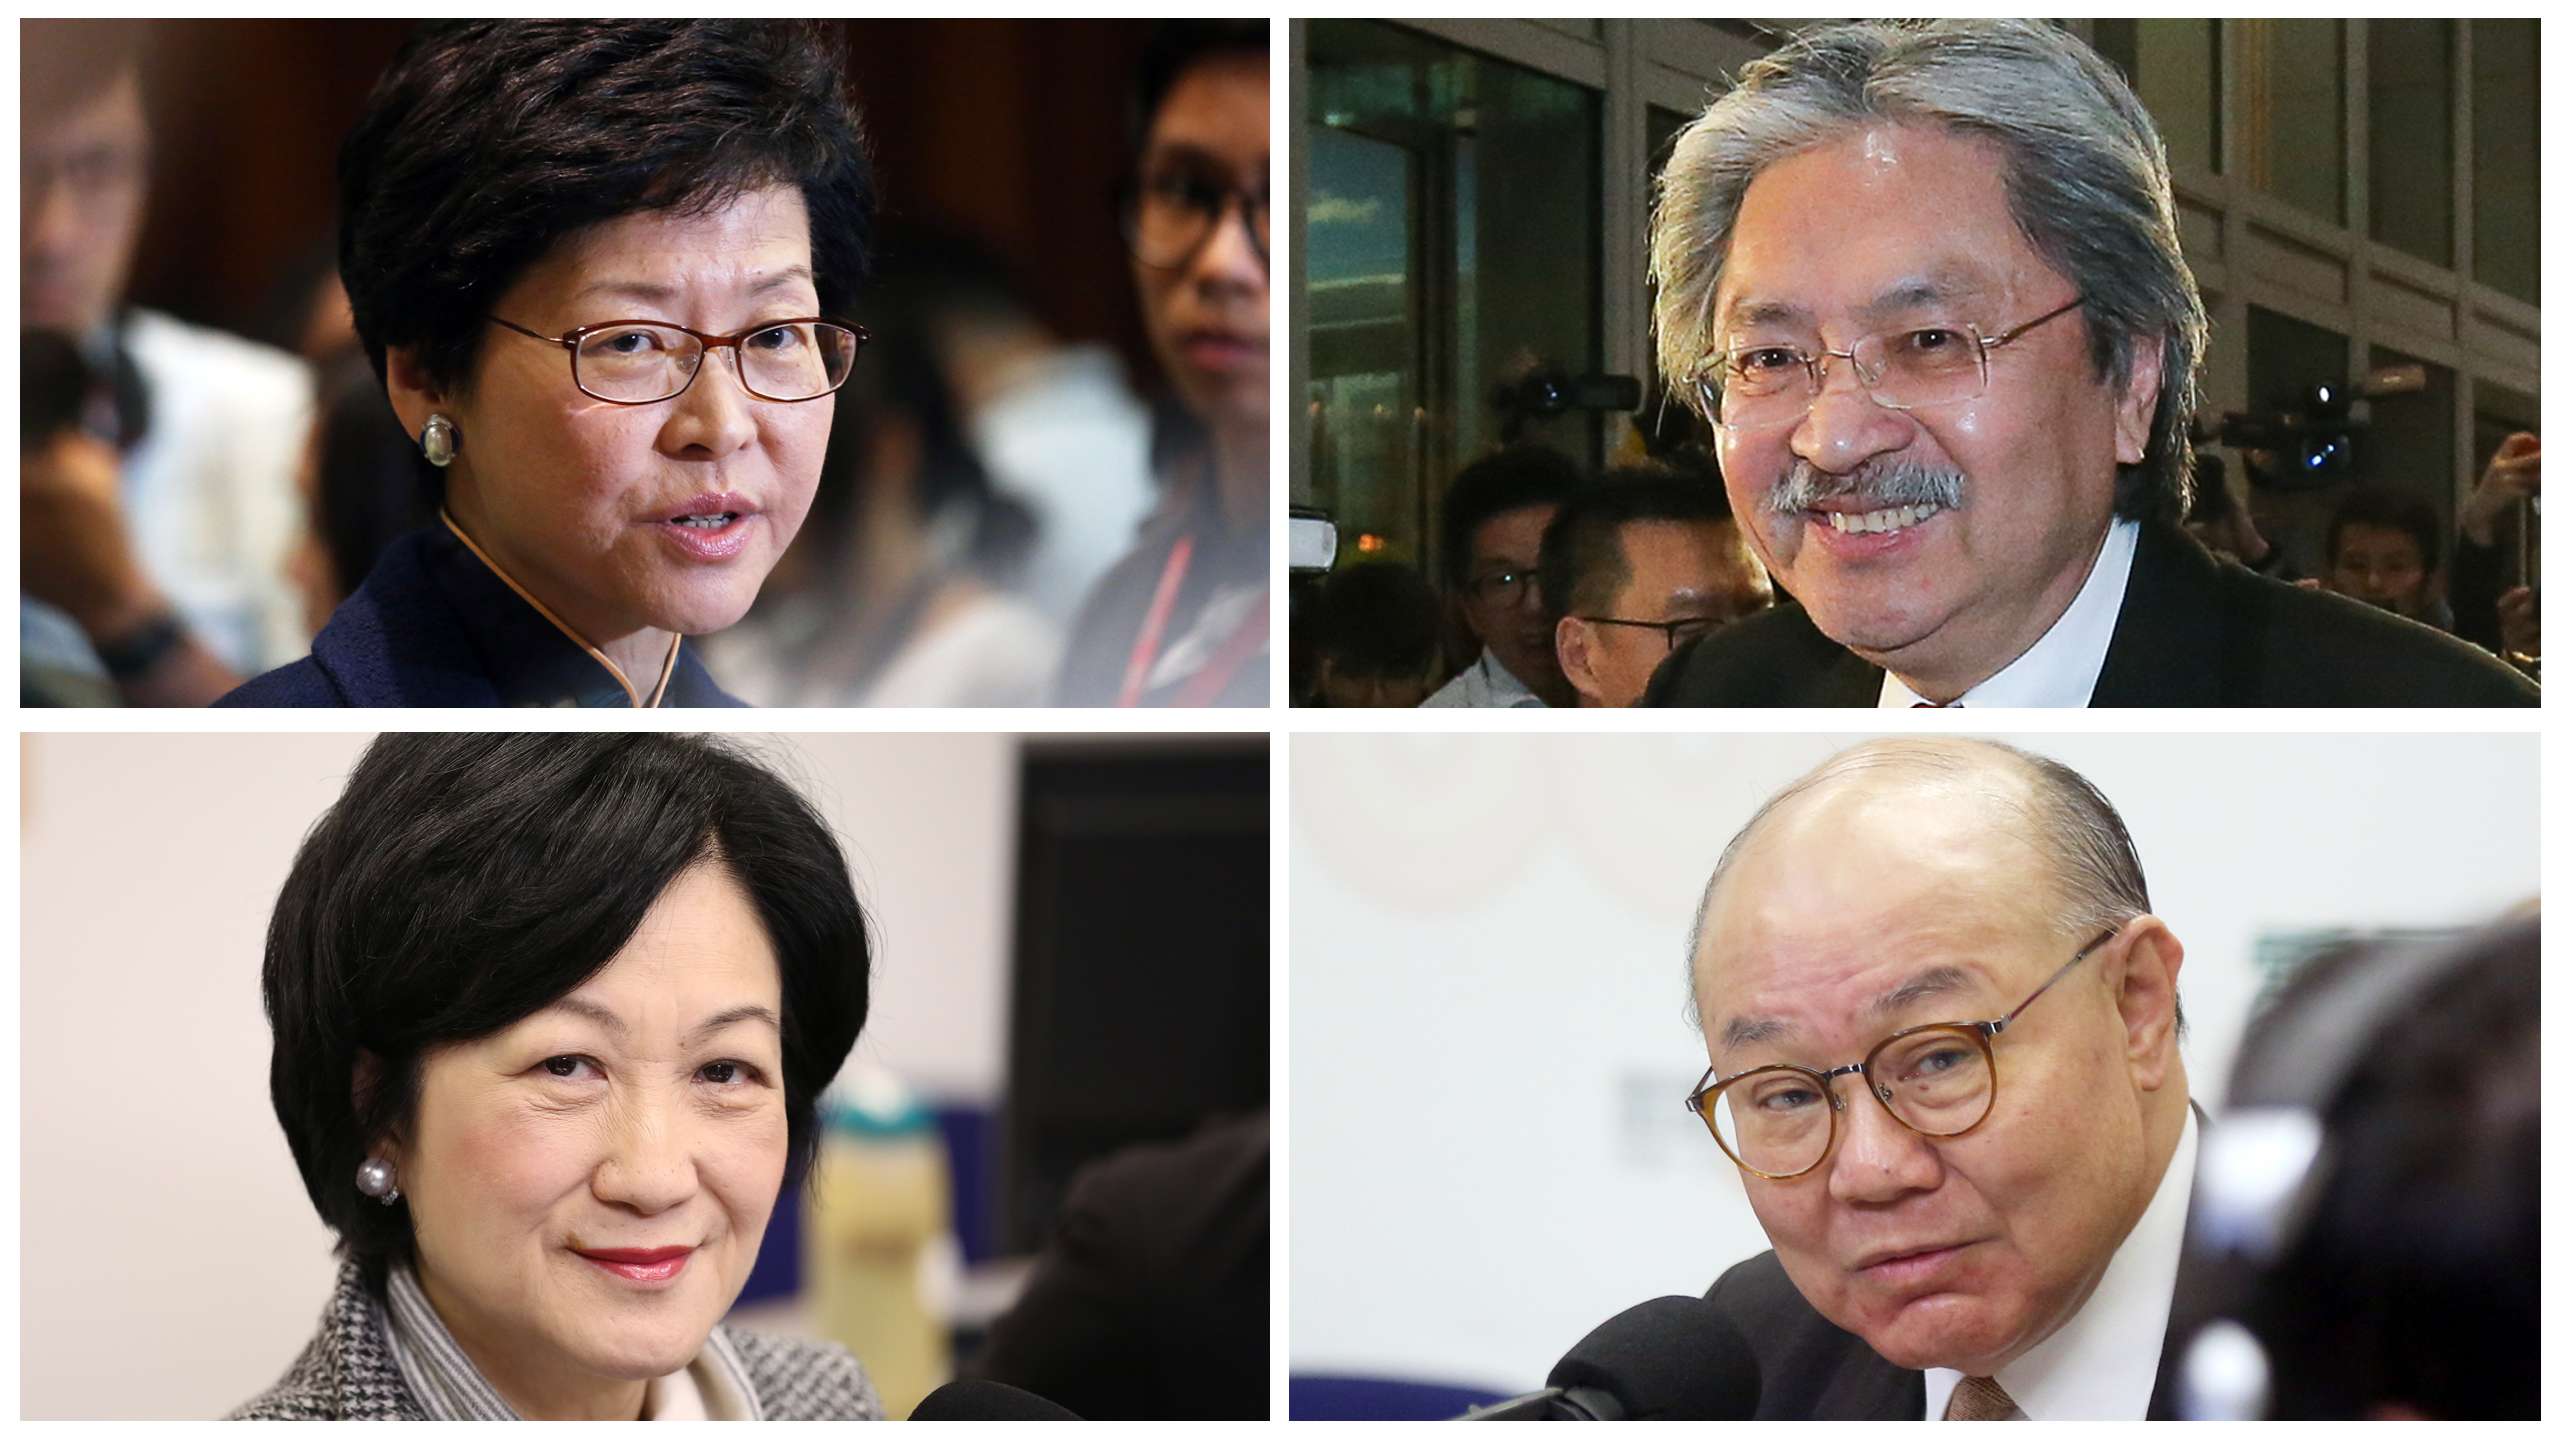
(2137, 402)
(2147, 999)
(1573, 653)
(414, 397)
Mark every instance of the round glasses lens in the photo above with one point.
(1167, 225)
(1777, 1122)
(799, 361)
(636, 363)
(1938, 1081)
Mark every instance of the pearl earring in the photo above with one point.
(438, 441)
(376, 1178)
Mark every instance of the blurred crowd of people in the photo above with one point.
(1003, 517)
(1557, 590)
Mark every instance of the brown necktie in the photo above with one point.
(1979, 1397)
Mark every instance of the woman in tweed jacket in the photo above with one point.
(551, 1014)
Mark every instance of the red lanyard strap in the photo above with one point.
(1142, 656)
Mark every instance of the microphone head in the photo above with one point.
(987, 1400)
(1669, 1359)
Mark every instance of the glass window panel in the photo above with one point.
(2297, 104)
(2176, 67)
(1452, 248)
(2411, 444)
(2506, 156)
(2409, 130)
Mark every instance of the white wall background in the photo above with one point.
(170, 1262)
(1488, 1038)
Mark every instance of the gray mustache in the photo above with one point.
(1887, 483)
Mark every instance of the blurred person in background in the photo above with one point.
(1154, 1300)
(2496, 603)
(87, 563)
(893, 594)
(552, 1014)
(1185, 617)
(619, 358)
(1637, 565)
(1055, 424)
(2368, 1220)
(1492, 520)
(1376, 632)
(359, 487)
(198, 429)
(2384, 549)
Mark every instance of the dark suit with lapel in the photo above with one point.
(1811, 1369)
(2194, 631)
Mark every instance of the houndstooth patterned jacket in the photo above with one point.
(347, 1373)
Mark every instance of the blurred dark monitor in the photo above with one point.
(1142, 957)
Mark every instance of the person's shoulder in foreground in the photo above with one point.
(2195, 630)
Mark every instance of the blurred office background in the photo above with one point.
(1009, 366)
(2356, 197)
(1489, 1037)
(1072, 941)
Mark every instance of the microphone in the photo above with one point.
(1668, 1359)
(987, 1400)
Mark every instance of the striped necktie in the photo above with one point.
(1979, 1397)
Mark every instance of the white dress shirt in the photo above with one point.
(2061, 669)
(2102, 1363)
(1486, 685)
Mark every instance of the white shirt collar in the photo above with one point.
(2061, 669)
(1487, 684)
(2102, 1363)
(449, 1387)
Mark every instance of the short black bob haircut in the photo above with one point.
(463, 882)
(488, 141)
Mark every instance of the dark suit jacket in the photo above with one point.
(432, 626)
(1811, 1369)
(2194, 631)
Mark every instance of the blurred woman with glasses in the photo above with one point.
(599, 266)
(1184, 618)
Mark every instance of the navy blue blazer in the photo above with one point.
(433, 626)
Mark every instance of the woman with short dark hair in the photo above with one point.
(597, 265)
(552, 1013)
(1184, 618)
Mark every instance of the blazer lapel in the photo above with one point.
(2172, 645)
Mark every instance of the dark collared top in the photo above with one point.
(433, 625)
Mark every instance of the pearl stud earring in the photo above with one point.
(376, 1178)
(438, 441)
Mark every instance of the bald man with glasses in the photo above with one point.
(1943, 1031)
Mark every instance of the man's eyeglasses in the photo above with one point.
(1780, 1121)
(1675, 633)
(641, 362)
(1169, 213)
(1507, 588)
(1755, 387)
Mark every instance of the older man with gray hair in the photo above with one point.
(1943, 1025)
(1981, 506)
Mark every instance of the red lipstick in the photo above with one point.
(648, 1269)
